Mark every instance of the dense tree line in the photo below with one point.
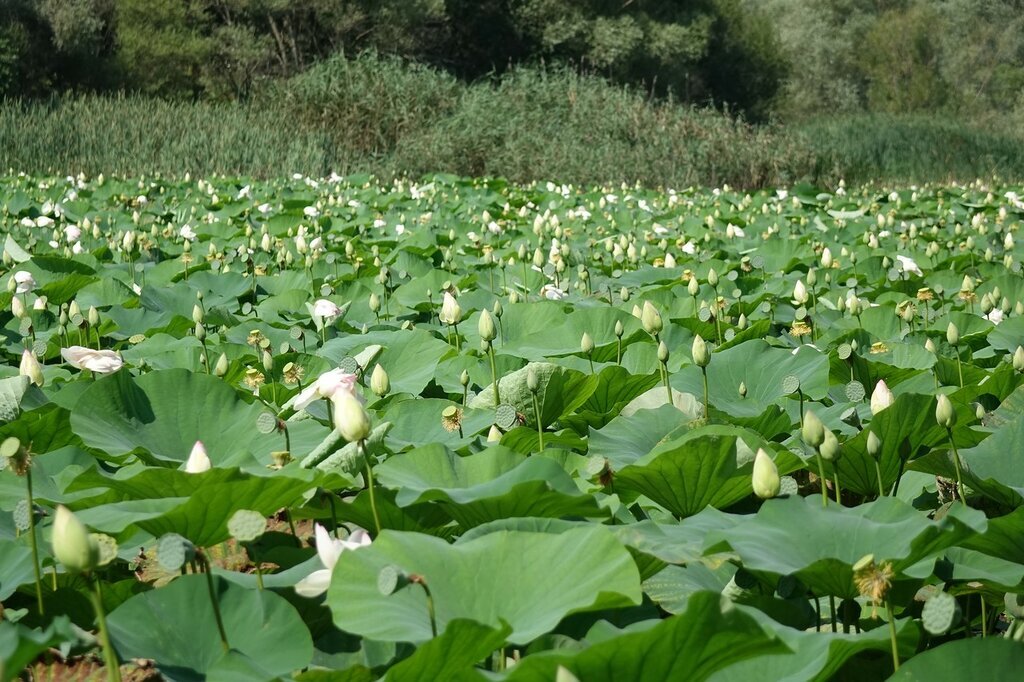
(761, 57)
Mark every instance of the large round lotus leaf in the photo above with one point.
(475, 579)
(175, 627)
(165, 412)
(999, 658)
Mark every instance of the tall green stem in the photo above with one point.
(213, 602)
(707, 402)
(109, 655)
(878, 472)
(892, 636)
(34, 542)
(540, 425)
(494, 374)
(956, 464)
(822, 479)
(369, 485)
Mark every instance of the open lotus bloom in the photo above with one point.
(99, 361)
(328, 549)
(325, 308)
(995, 316)
(552, 293)
(25, 281)
(326, 385)
(909, 265)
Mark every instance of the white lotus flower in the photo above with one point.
(451, 313)
(909, 265)
(324, 308)
(316, 244)
(198, 460)
(995, 317)
(325, 386)
(552, 293)
(329, 549)
(670, 260)
(99, 361)
(734, 231)
(187, 233)
(263, 208)
(25, 281)
(881, 397)
(689, 248)
(72, 233)
(800, 292)
(39, 303)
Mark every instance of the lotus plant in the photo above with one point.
(329, 549)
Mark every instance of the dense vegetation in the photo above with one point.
(323, 429)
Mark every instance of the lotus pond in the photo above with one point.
(463, 430)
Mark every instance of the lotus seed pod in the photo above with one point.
(813, 430)
(31, 368)
(829, 447)
(485, 326)
(874, 445)
(1018, 359)
(619, 329)
(464, 378)
(380, 384)
(800, 292)
(765, 479)
(881, 397)
(350, 418)
(945, 415)
(587, 344)
(952, 335)
(712, 278)
(650, 318)
(699, 351)
(532, 382)
(693, 286)
(221, 367)
(374, 303)
(494, 434)
(73, 547)
(743, 389)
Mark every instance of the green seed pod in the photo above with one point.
(380, 384)
(485, 326)
(72, 545)
(587, 344)
(765, 479)
(650, 318)
(813, 430)
(701, 356)
(952, 335)
(945, 415)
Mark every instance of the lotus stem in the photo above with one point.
(430, 604)
(494, 374)
(821, 478)
(835, 479)
(34, 542)
(369, 485)
(618, 351)
(213, 601)
(707, 401)
(540, 426)
(984, 617)
(832, 611)
(956, 464)
(878, 472)
(109, 655)
(458, 344)
(892, 636)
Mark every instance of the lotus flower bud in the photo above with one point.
(198, 315)
(929, 345)
(198, 461)
(73, 547)
(743, 389)
(662, 352)
(200, 332)
(485, 326)
(451, 312)
(497, 309)
(222, 365)
(464, 378)
(829, 447)
(268, 362)
(494, 434)
(874, 445)
(380, 384)
(18, 308)
(945, 415)
(650, 318)
(350, 418)
(826, 258)
(712, 278)
(881, 397)
(952, 335)
(587, 344)
(701, 356)
(693, 286)
(619, 329)
(813, 430)
(93, 316)
(765, 478)
(532, 381)
(31, 368)
(800, 292)
(624, 294)
(1018, 359)
(979, 411)
(374, 303)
